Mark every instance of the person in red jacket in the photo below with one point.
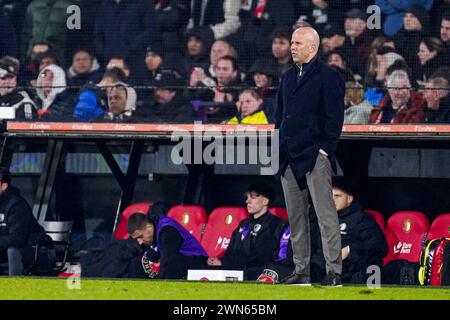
(400, 104)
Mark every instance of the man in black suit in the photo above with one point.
(309, 118)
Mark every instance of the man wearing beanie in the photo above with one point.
(254, 241)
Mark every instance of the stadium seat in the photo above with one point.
(440, 228)
(221, 224)
(392, 243)
(189, 216)
(121, 230)
(279, 212)
(410, 228)
(377, 216)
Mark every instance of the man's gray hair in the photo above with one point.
(397, 75)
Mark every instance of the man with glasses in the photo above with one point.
(254, 241)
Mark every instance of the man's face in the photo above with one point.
(10, 81)
(218, 50)
(411, 23)
(153, 61)
(341, 199)
(301, 47)
(248, 104)
(432, 96)
(225, 72)
(164, 96)
(194, 46)
(399, 93)
(117, 100)
(280, 48)
(331, 43)
(82, 62)
(144, 236)
(256, 203)
(445, 30)
(354, 27)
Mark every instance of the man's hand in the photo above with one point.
(214, 262)
(345, 252)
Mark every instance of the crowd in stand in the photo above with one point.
(177, 61)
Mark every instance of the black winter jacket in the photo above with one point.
(18, 226)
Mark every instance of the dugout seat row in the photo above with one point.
(407, 231)
(213, 231)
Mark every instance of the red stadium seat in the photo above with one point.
(410, 228)
(378, 217)
(189, 216)
(440, 228)
(221, 224)
(121, 230)
(279, 212)
(392, 243)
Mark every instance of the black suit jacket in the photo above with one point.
(309, 116)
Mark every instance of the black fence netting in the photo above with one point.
(217, 61)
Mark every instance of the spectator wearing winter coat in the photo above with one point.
(401, 104)
(84, 69)
(54, 101)
(198, 46)
(281, 48)
(92, 101)
(363, 242)
(415, 28)
(394, 11)
(220, 15)
(249, 109)
(24, 107)
(333, 37)
(357, 109)
(339, 60)
(264, 76)
(437, 97)
(430, 57)
(359, 38)
(170, 106)
(121, 103)
(45, 20)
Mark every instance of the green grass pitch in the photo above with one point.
(64, 289)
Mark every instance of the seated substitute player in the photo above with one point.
(363, 242)
(254, 241)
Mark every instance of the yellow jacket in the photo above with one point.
(254, 118)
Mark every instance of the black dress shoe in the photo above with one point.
(332, 280)
(296, 280)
